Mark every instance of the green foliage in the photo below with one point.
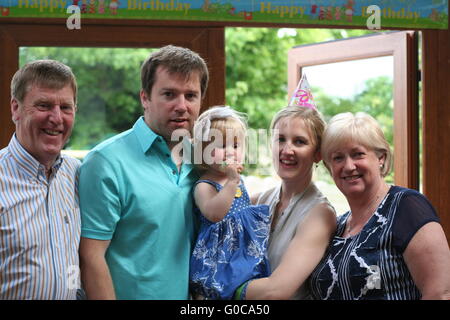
(375, 99)
(256, 72)
(256, 67)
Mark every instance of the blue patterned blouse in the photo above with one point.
(370, 265)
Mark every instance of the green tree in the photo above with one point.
(256, 72)
(375, 99)
(256, 67)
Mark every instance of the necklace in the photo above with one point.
(368, 210)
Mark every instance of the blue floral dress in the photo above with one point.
(231, 251)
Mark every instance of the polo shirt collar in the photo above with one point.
(145, 135)
(26, 161)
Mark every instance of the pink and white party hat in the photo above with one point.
(302, 96)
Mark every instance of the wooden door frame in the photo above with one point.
(436, 122)
(207, 42)
(403, 47)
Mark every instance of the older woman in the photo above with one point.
(390, 244)
(303, 221)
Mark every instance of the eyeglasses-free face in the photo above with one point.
(44, 121)
(293, 149)
(174, 103)
(355, 169)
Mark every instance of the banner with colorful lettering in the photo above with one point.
(426, 14)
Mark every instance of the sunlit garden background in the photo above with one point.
(256, 83)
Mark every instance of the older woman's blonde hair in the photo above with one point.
(360, 128)
(311, 117)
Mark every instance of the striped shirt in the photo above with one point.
(39, 226)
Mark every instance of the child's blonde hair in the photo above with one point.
(214, 126)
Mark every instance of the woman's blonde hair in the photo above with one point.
(311, 117)
(221, 122)
(360, 128)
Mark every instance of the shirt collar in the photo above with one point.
(145, 135)
(26, 161)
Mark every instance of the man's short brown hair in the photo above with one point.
(176, 60)
(44, 73)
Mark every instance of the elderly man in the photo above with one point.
(136, 199)
(39, 211)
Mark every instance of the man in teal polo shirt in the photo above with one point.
(135, 194)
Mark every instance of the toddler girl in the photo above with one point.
(232, 241)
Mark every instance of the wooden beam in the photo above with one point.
(9, 63)
(436, 122)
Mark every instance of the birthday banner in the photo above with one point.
(423, 14)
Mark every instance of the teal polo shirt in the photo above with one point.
(132, 194)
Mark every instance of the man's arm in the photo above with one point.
(95, 276)
(100, 211)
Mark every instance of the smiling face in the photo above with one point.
(294, 150)
(44, 121)
(174, 103)
(231, 151)
(355, 169)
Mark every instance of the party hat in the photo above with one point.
(302, 96)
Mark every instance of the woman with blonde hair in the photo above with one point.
(302, 219)
(390, 244)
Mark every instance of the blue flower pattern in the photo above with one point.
(231, 251)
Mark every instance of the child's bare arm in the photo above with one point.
(215, 205)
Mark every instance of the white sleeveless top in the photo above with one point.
(288, 221)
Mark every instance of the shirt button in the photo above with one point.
(174, 171)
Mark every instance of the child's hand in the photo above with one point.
(232, 170)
